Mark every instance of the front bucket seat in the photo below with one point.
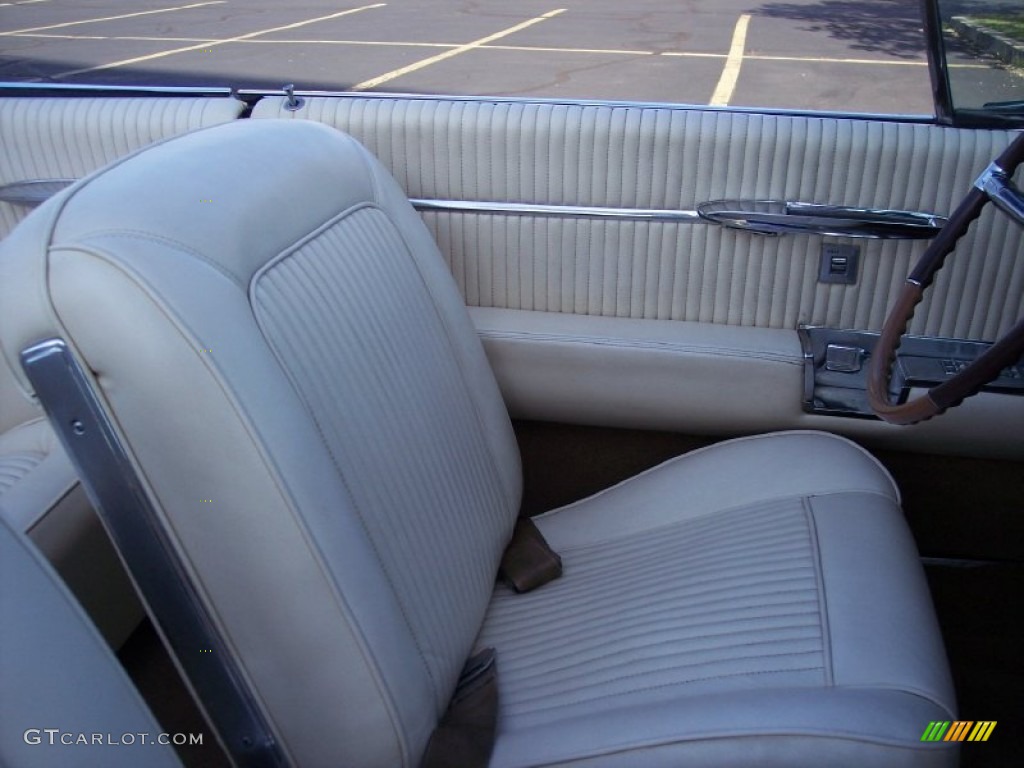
(274, 342)
(65, 698)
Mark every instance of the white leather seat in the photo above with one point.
(295, 375)
(757, 602)
(61, 682)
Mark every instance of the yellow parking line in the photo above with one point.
(380, 80)
(733, 62)
(212, 43)
(112, 18)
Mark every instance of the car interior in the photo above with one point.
(396, 430)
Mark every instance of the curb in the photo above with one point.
(1007, 50)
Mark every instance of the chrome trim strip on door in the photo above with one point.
(132, 521)
(776, 218)
(536, 209)
(32, 192)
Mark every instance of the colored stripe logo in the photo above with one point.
(959, 730)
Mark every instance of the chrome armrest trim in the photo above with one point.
(537, 209)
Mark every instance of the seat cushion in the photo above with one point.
(737, 605)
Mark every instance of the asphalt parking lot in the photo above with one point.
(845, 55)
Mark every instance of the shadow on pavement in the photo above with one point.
(892, 27)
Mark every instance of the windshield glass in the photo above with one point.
(860, 56)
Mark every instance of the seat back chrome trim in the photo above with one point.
(32, 192)
(132, 522)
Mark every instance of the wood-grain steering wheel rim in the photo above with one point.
(1006, 351)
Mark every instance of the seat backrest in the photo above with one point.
(61, 682)
(294, 376)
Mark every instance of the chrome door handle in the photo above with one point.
(778, 217)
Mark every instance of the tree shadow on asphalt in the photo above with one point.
(892, 27)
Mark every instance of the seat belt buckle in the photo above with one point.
(529, 562)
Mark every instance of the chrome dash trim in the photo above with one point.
(991, 178)
(32, 192)
(1000, 189)
(537, 209)
(134, 525)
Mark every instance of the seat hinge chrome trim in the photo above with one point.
(538, 209)
(131, 520)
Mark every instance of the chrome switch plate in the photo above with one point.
(838, 263)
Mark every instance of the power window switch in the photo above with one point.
(838, 263)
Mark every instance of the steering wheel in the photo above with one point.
(995, 185)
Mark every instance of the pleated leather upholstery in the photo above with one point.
(675, 159)
(14, 466)
(297, 378)
(400, 428)
(308, 406)
(757, 602)
(35, 476)
(62, 138)
(722, 603)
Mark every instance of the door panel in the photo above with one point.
(67, 138)
(687, 326)
(650, 158)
